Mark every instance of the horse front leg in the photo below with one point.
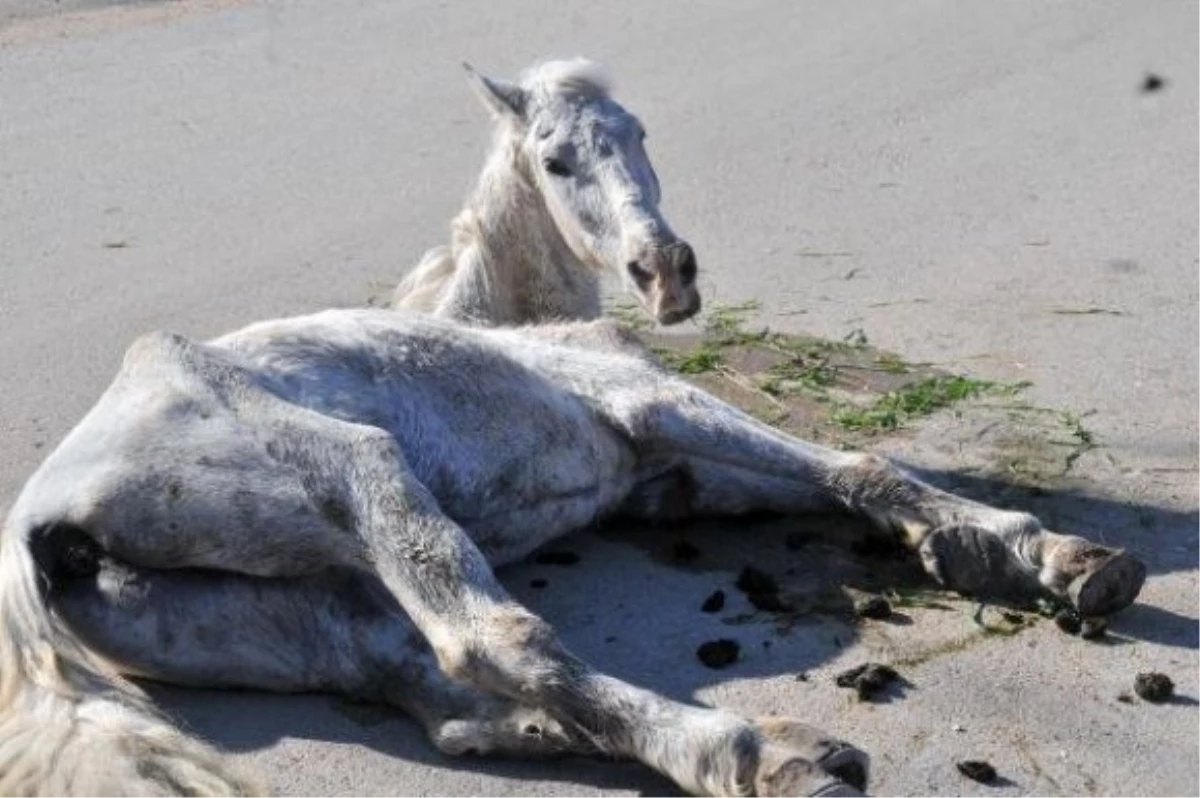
(729, 462)
(482, 637)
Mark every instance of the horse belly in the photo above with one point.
(522, 471)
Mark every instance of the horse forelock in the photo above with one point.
(569, 77)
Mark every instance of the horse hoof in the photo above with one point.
(798, 776)
(836, 756)
(849, 766)
(1111, 586)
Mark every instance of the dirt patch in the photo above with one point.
(849, 395)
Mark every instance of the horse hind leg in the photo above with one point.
(333, 632)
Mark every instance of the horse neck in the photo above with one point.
(506, 232)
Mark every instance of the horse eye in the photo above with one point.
(556, 167)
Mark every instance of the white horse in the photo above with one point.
(567, 194)
(317, 503)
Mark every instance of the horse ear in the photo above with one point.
(501, 97)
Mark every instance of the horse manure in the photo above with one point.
(718, 654)
(761, 589)
(1015, 618)
(538, 584)
(1154, 687)
(684, 552)
(875, 607)
(867, 679)
(767, 602)
(1069, 621)
(752, 580)
(556, 558)
(1152, 83)
(714, 603)
(977, 770)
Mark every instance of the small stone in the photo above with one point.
(1068, 621)
(718, 654)
(1125, 698)
(1154, 687)
(958, 727)
(874, 607)
(714, 603)
(977, 770)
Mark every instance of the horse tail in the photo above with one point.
(69, 725)
(421, 289)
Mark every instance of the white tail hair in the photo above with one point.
(69, 725)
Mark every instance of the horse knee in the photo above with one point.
(511, 651)
(868, 480)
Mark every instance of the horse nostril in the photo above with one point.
(640, 275)
(687, 265)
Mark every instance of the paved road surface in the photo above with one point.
(981, 185)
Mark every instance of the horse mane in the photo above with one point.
(570, 77)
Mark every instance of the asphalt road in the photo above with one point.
(981, 185)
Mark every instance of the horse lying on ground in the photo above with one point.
(317, 503)
(566, 195)
(345, 483)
